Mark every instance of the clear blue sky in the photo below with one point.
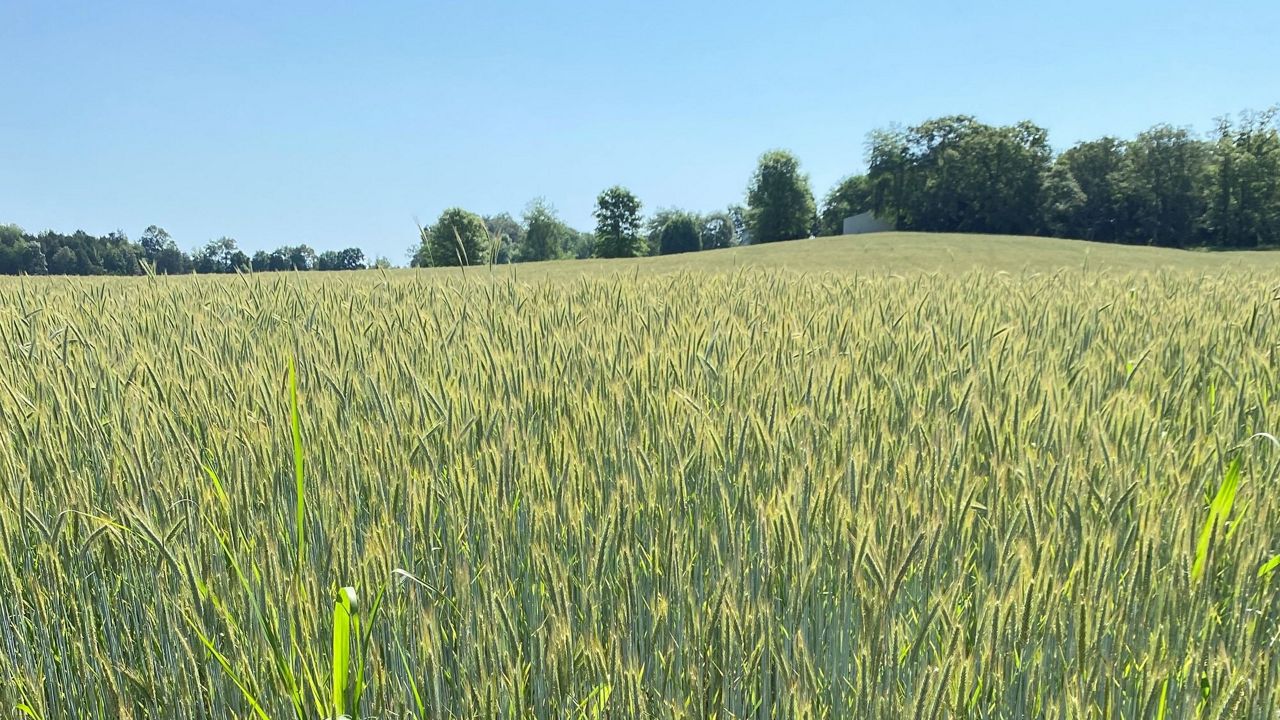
(336, 124)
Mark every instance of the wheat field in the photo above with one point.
(736, 494)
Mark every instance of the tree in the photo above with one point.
(1063, 201)
(507, 235)
(348, 259)
(382, 263)
(654, 226)
(849, 197)
(779, 201)
(20, 253)
(1097, 168)
(738, 215)
(955, 174)
(63, 262)
(172, 261)
(680, 235)
(457, 238)
(118, 256)
(153, 240)
(890, 175)
(351, 259)
(297, 257)
(716, 231)
(220, 256)
(580, 245)
(1244, 194)
(328, 260)
(617, 216)
(1165, 186)
(163, 253)
(544, 235)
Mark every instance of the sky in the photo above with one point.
(340, 124)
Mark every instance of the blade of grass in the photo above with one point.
(345, 616)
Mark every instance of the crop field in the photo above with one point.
(647, 491)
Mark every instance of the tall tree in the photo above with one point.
(1098, 169)
(741, 230)
(153, 240)
(1165, 186)
(891, 177)
(617, 216)
(850, 196)
(544, 235)
(580, 245)
(680, 235)
(1063, 202)
(20, 253)
(716, 231)
(779, 202)
(346, 259)
(956, 174)
(1244, 197)
(220, 256)
(655, 224)
(507, 235)
(457, 238)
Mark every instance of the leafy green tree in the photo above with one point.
(716, 231)
(655, 224)
(1244, 195)
(64, 262)
(118, 256)
(348, 259)
(153, 240)
(741, 230)
(382, 263)
(298, 257)
(220, 256)
(1164, 184)
(956, 174)
(172, 261)
(457, 238)
(1064, 201)
(20, 253)
(580, 245)
(1098, 168)
(11, 235)
(779, 202)
(891, 176)
(507, 235)
(680, 235)
(618, 224)
(163, 253)
(849, 197)
(545, 237)
(31, 259)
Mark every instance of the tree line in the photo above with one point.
(52, 253)
(1165, 187)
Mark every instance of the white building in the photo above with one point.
(865, 222)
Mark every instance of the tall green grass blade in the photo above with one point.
(295, 425)
(1219, 511)
(345, 623)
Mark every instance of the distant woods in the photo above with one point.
(80, 253)
(1167, 187)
